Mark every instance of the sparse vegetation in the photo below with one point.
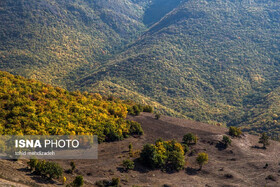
(115, 182)
(271, 177)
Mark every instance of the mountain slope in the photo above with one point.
(203, 59)
(47, 40)
(207, 60)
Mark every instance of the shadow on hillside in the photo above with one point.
(36, 178)
(138, 166)
(24, 170)
(257, 147)
(191, 171)
(41, 180)
(220, 146)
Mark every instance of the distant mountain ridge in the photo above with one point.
(208, 60)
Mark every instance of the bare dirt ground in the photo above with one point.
(242, 164)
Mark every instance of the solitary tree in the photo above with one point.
(226, 141)
(202, 159)
(264, 140)
(190, 138)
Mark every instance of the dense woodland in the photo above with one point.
(33, 108)
(207, 60)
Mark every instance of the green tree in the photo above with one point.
(202, 159)
(190, 138)
(226, 141)
(264, 139)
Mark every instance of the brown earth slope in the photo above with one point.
(242, 164)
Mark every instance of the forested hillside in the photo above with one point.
(208, 60)
(33, 108)
(48, 39)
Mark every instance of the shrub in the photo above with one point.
(128, 165)
(264, 139)
(148, 108)
(130, 150)
(115, 182)
(186, 148)
(226, 141)
(135, 110)
(202, 159)
(78, 181)
(190, 138)
(73, 166)
(157, 116)
(135, 128)
(64, 180)
(271, 177)
(32, 163)
(234, 131)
